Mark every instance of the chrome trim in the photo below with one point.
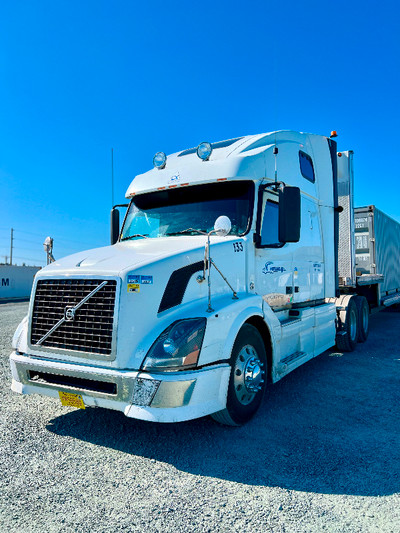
(173, 394)
(123, 383)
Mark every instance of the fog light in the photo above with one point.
(144, 391)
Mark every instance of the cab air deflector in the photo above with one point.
(176, 286)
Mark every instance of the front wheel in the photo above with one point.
(247, 381)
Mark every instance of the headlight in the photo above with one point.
(178, 346)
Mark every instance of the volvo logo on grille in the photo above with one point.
(69, 313)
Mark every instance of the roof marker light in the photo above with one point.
(204, 151)
(333, 134)
(160, 160)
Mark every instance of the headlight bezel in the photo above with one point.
(186, 336)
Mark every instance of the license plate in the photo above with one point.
(71, 400)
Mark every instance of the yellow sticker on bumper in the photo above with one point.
(71, 400)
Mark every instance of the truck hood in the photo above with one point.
(156, 285)
(114, 260)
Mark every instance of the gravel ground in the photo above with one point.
(322, 455)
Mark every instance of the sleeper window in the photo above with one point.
(306, 166)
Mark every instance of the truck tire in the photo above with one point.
(247, 382)
(346, 339)
(363, 318)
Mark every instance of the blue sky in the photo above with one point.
(78, 78)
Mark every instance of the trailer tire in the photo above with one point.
(247, 382)
(363, 318)
(346, 339)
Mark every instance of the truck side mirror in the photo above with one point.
(289, 214)
(114, 225)
(222, 226)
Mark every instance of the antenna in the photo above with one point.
(275, 152)
(112, 177)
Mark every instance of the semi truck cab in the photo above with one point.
(222, 279)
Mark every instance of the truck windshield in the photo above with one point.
(183, 210)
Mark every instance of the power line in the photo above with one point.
(42, 234)
(29, 232)
(25, 240)
(39, 243)
(29, 258)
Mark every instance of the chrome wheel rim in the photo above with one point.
(248, 375)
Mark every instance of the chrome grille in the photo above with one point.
(91, 329)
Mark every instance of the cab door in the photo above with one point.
(273, 260)
(308, 266)
(281, 270)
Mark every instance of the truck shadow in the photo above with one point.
(329, 427)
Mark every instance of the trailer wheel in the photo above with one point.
(247, 381)
(363, 318)
(346, 339)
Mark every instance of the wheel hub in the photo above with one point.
(252, 375)
(248, 375)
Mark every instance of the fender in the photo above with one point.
(235, 328)
(224, 325)
(253, 307)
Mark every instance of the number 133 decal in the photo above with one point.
(237, 247)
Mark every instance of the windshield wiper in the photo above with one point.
(188, 230)
(134, 237)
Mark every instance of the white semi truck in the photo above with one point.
(236, 263)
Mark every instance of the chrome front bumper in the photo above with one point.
(166, 397)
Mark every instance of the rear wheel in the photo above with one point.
(346, 339)
(247, 381)
(363, 318)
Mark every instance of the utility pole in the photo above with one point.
(11, 245)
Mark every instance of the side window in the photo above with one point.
(269, 221)
(306, 166)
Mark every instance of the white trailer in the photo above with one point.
(180, 317)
